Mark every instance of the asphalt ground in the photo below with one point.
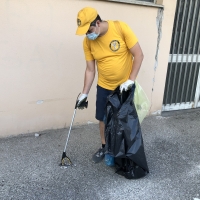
(29, 165)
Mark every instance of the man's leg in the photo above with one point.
(102, 130)
(102, 95)
(99, 155)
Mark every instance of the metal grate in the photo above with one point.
(183, 75)
(180, 93)
(186, 27)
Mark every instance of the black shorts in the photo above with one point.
(101, 99)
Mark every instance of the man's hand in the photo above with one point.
(81, 102)
(126, 85)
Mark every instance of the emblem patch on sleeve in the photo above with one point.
(114, 45)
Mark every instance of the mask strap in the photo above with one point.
(99, 29)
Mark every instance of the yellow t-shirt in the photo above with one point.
(112, 55)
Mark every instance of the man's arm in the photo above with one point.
(137, 53)
(89, 76)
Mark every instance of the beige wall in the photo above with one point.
(41, 58)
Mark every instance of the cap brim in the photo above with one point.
(82, 30)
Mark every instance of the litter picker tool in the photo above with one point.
(65, 161)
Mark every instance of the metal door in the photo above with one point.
(182, 87)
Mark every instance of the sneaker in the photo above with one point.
(99, 155)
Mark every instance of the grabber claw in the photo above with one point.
(65, 161)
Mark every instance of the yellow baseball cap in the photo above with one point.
(84, 19)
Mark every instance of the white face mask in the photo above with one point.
(93, 35)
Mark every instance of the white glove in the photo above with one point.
(81, 98)
(126, 85)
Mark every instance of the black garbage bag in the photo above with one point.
(123, 135)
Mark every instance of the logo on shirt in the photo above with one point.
(114, 45)
(78, 22)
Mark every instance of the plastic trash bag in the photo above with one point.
(123, 135)
(141, 101)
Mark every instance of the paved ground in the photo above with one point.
(29, 165)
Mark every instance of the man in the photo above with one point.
(111, 47)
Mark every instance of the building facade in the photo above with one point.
(42, 61)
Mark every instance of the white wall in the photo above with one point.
(41, 58)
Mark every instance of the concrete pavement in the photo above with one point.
(29, 165)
